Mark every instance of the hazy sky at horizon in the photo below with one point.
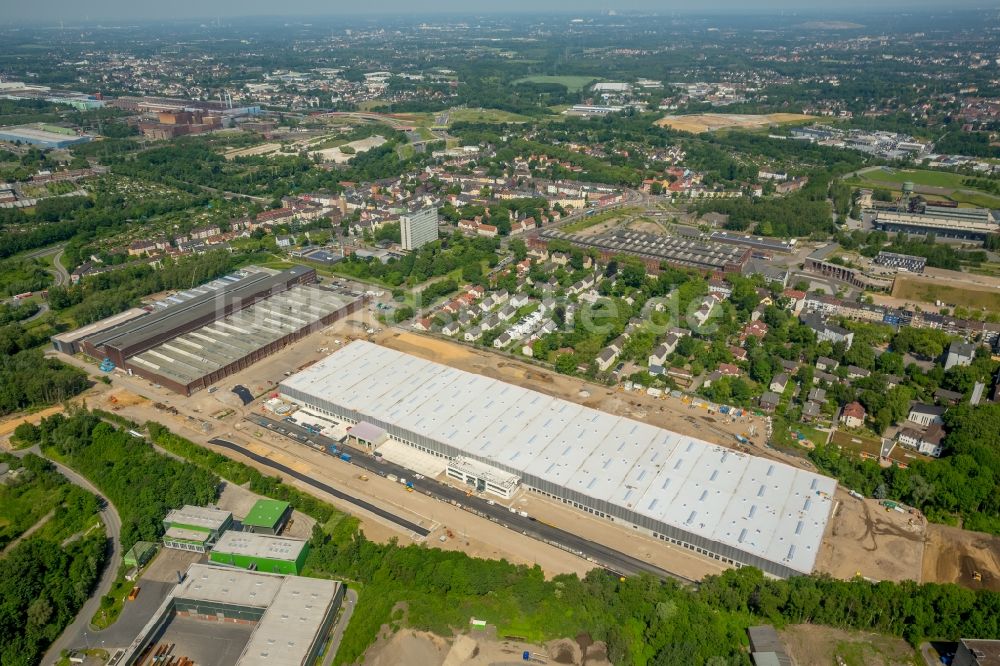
(52, 11)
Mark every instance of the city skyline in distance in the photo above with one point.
(123, 10)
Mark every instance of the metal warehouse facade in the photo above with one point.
(739, 509)
(194, 343)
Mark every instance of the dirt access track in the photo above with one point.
(710, 122)
(954, 555)
(862, 538)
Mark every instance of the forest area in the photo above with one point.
(45, 578)
(142, 484)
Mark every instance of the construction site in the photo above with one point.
(846, 547)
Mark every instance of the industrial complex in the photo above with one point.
(736, 508)
(971, 224)
(196, 341)
(43, 136)
(286, 618)
(654, 250)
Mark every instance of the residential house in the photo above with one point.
(826, 364)
(473, 334)
(450, 329)
(827, 331)
(779, 383)
(769, 401)
(507, 313)
(738, 353)
(201, 233)
(729, 370)
(489, 323)
(757, 329)
(811, 411)
(927, 442)
(548, 305)
(817, 395)
(854, 372)
(959, 353)
(503, 340)
(926, 415)
(284, 241)
(519, 300)
(607, 358)
(796, 299)
(946, 397)
(853, 415)
(720, 287)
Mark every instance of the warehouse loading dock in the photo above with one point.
(731, 507)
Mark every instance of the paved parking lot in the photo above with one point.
(155, 583)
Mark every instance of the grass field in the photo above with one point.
(894, 178)
(572, 83)
(711, 122)
(913, 288)
(486, 116)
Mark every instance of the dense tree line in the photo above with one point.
(795, 215)
(28, 379)
(105, 294)
(431, 260)
(142, 484)
(642, 619)
(973, 144)
(81, 217)
(45, 579)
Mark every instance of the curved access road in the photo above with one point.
(72, 636)
(319, 485)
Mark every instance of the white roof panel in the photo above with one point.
(765, 508)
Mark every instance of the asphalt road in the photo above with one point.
(601, 555)
(367, 506)
(350, 602)
(78, 633)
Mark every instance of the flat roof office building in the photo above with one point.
(723, 504)
(419, 228)
(195, 528)
(260, 552)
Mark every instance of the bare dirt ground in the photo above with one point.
(480, 648)
(710, 122)
(863, 538)
(812, 645)
(8, 426)
(954, 555)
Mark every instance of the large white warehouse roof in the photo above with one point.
(765, 509)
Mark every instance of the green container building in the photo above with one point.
(267, 516)
(260, 552)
